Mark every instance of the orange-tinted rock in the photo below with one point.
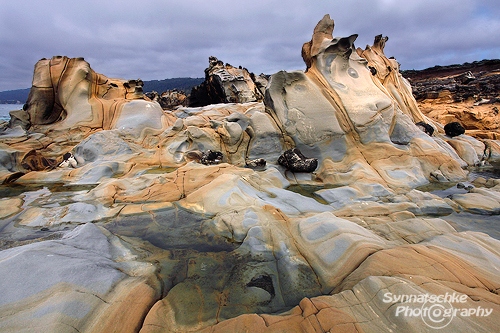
(467, 93)
(339, 113)
(385, 71)
(432, 263)
(34, 161)
(55, 82)
(175, 245)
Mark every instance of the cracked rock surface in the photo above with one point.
(141, 237)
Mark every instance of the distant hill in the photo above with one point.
(14, 96)
(181, 83)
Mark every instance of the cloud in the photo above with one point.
(156, 39)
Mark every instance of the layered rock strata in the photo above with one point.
(140, 236)
(358, 120)
(226, 84)
(468, 94)
(69, 92)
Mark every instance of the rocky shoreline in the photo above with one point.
(467, 93)
(291, 202)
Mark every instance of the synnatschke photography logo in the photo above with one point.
(436, 311)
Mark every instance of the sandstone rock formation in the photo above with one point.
(68, 102)
(468, 94)
(225, 84)
(169, 99)
(356, 122)
(56, 81)
(386, 71)
(141, 236)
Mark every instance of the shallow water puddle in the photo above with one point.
(309, 190)
(489, 224)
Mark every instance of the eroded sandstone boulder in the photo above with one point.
(386, 72)
(226, 84)
(341, 114)
(169, 99)
(68, 90)
(68, 102)
(178, 245)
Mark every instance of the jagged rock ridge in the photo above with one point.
(143, 237)
(226, 84)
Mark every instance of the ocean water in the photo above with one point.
(5, 108)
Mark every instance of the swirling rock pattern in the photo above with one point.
(141, 236)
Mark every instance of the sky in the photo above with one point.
(155, 39)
